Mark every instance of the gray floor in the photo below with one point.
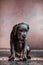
(21, 63)
(33, 53)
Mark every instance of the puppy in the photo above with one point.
(18, 42)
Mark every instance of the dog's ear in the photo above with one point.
(15, 29)
(28, 27)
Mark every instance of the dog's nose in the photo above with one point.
(24, 36)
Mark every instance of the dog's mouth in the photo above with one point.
(21, 39)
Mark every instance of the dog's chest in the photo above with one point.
(19, 46)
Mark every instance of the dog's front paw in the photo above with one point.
(24, 58)
(28, 57)
(11, 58)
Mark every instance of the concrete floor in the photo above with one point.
(32, 61)
(21, 63)
(36, 58)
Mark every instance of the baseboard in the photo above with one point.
(33, 53)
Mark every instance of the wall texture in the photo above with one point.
(15, 11)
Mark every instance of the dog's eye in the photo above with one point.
(21, 30)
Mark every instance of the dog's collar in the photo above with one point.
(21, 40)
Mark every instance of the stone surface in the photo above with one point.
(21, 63)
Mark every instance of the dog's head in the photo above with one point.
(21, 30)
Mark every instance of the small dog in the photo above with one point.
(18, 42)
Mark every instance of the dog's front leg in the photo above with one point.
(12, 52)
(25, 52)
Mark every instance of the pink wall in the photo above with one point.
(15, 11)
